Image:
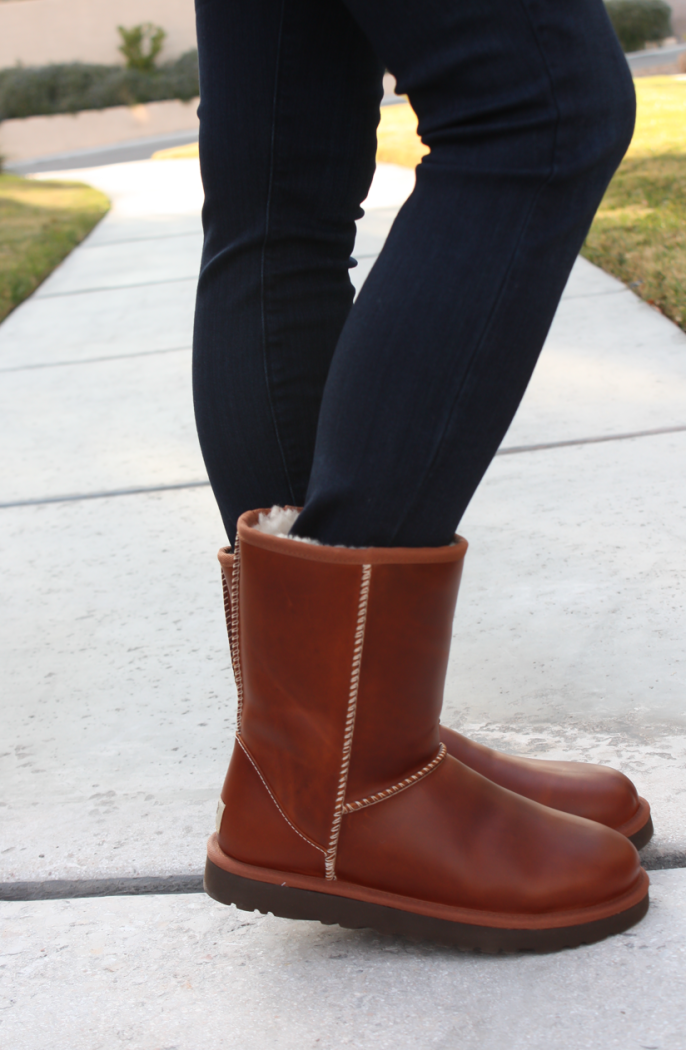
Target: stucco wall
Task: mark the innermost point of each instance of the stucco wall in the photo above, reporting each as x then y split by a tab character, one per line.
63	132
35	32
678	17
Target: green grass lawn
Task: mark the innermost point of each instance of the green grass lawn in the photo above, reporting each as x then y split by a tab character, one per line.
40	223
639	233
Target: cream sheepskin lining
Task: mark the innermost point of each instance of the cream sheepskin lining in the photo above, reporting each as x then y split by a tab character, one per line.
279	521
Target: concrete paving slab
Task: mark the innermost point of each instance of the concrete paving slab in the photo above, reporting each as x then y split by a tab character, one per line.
568	643
116	228
569	633
126	262
360	273
119	703
184	972
598	532
587	279
117	322
107	425
611	364
372	230
144	188
390	188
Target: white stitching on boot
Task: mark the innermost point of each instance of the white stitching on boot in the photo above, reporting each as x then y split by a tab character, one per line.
273	797
227	602
363	603
403	785
234	635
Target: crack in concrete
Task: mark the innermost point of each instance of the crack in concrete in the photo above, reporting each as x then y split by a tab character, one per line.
38	296
72	889
137	491
95	360
515	449
512	450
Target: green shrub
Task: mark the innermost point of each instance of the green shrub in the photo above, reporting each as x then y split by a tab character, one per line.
637	22
70	87
141	45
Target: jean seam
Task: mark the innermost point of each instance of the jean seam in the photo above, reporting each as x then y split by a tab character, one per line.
515	251
267	219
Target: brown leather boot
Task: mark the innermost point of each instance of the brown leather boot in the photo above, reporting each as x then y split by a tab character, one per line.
341	803
588	790
585	789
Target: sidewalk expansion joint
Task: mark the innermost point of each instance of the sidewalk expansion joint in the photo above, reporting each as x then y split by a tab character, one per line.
138	240
77	497
597	295
515	449
112	288
95	360
142	489
149	885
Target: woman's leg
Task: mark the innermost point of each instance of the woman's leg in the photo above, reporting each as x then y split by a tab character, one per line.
290	103
528	107
338	772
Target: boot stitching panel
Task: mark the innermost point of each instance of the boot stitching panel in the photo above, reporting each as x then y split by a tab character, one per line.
272	796
234	631
363	605
403	785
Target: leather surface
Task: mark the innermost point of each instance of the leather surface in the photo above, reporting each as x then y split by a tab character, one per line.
404	663
582	788
455	837
458	838
592	791
253	830
225	557
297	635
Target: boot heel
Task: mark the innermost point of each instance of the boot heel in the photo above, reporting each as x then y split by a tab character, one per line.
285	902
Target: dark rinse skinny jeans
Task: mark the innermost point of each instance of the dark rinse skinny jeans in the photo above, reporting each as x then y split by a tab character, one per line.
381	417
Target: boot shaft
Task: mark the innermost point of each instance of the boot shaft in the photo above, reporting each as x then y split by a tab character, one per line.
340	658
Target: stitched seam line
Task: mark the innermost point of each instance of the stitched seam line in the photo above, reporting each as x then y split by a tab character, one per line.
403	785
272	797
330	865
234	633
227	606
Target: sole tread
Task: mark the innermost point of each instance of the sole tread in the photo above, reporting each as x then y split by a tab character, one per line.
292	903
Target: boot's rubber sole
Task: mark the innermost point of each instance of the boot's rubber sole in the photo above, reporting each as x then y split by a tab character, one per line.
299	897
639	829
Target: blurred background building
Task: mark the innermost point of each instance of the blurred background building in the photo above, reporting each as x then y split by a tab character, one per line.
37	32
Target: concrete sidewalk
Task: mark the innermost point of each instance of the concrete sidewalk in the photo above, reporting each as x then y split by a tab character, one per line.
117	729
185	973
